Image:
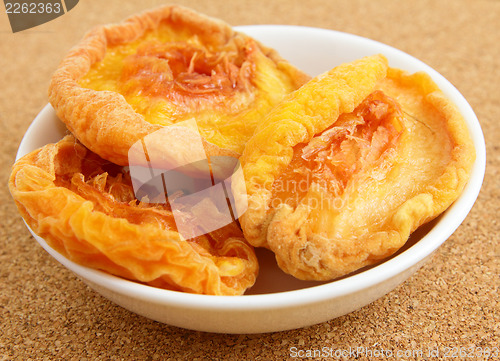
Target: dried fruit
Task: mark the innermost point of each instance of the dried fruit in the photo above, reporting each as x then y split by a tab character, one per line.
85	208
346	167
166	66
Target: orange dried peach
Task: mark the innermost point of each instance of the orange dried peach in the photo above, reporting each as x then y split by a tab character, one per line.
349	165
85	208
165	66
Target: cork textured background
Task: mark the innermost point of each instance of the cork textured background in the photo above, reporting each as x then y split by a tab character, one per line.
47	313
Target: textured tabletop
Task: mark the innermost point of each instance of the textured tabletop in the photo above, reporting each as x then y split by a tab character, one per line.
452	302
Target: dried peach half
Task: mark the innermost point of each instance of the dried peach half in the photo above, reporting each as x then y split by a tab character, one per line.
85	208
165	66
347	167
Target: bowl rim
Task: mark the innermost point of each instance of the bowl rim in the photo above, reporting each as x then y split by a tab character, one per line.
450	221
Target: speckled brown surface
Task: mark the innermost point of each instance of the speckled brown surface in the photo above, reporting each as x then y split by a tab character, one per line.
47	313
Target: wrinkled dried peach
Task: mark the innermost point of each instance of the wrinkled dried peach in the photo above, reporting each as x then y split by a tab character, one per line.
166	66
346	167
85	208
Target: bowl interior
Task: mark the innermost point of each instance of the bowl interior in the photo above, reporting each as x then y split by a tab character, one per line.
314	51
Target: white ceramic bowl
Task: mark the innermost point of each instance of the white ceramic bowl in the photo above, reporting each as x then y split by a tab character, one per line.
278	301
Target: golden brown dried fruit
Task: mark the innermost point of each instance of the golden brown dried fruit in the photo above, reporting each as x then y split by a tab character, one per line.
85	208
349	165
164	66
